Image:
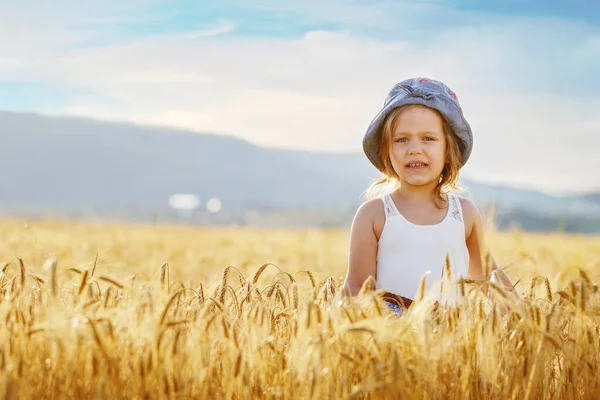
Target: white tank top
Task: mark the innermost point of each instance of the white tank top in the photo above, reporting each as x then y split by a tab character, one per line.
408	251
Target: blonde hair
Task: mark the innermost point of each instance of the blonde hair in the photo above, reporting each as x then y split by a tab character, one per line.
390	180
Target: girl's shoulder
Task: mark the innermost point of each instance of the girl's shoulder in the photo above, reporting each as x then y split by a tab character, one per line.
371	213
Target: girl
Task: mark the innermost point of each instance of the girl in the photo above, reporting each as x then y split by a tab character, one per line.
419	141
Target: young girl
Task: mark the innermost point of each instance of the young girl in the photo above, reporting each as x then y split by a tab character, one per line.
419	141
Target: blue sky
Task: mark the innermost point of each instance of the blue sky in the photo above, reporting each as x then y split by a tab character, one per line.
312	74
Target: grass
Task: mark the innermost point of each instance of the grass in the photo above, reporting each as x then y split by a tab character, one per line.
111	310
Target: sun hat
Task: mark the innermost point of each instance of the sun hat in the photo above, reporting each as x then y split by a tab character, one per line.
423	91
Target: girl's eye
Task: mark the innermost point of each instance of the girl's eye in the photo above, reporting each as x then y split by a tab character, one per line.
401	139
429	138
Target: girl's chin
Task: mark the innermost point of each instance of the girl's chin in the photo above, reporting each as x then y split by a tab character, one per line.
412	181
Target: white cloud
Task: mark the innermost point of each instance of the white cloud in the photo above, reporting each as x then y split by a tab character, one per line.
218	28
39	29
11	62
534	122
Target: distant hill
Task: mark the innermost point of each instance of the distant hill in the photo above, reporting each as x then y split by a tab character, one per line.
76	166
591	198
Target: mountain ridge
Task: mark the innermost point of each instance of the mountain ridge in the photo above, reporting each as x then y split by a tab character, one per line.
61	164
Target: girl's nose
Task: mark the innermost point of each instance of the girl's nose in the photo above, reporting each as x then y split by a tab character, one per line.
414	149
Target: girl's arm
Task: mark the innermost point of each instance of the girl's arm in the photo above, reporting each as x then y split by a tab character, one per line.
475	244
362	260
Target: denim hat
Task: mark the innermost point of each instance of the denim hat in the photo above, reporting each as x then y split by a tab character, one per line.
428	92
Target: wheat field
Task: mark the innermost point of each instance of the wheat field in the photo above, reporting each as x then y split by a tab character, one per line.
133	311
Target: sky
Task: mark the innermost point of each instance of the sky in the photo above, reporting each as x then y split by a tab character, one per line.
312	74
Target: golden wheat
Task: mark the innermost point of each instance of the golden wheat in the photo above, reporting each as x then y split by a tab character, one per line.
134	311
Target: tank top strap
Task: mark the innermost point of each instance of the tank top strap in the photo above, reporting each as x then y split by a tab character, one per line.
388	205
455	210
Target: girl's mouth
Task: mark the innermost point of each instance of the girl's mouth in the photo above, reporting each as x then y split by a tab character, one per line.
416	166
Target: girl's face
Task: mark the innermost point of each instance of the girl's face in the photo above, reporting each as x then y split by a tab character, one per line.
418	146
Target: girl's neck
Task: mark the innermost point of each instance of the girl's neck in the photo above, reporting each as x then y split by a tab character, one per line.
416	193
